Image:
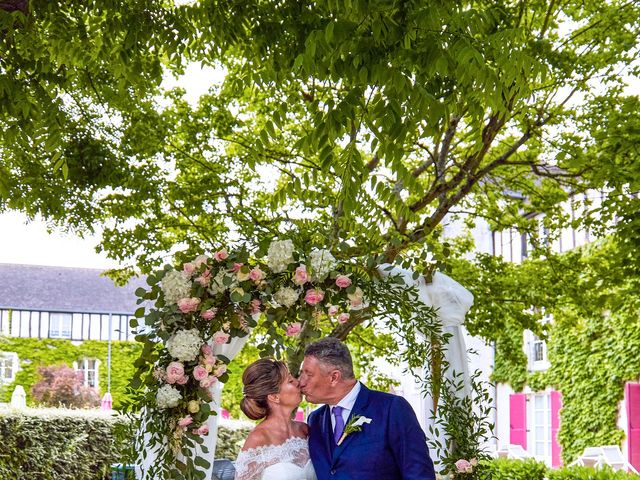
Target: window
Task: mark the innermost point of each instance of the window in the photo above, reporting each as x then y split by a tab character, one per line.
536	351
89	368
539	353
8	367
60	325
540	430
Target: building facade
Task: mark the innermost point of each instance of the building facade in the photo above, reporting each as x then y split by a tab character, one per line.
60	303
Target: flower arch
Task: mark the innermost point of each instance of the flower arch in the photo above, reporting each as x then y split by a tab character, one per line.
203	310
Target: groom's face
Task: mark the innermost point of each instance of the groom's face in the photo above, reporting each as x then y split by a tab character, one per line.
316	381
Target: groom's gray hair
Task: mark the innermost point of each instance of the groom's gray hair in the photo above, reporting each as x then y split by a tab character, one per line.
332	352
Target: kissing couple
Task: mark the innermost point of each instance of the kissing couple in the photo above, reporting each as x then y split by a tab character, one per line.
358	434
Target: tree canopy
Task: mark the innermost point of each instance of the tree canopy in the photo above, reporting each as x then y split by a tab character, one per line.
356	125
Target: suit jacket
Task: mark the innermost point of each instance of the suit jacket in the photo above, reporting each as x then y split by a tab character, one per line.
391	447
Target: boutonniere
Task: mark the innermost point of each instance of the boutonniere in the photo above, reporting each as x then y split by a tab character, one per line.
353	425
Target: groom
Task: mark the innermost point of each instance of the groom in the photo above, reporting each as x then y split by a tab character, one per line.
390	444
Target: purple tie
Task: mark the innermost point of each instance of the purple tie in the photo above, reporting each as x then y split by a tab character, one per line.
337	432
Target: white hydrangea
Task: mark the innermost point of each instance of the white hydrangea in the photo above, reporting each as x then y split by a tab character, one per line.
322	262
175	286
280	255
168	397
286	296
185	345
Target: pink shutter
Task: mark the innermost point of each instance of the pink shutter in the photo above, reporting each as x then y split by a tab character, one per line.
518	419
556	449
632	399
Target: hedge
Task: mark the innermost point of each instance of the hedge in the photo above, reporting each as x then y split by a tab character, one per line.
59	444
506	469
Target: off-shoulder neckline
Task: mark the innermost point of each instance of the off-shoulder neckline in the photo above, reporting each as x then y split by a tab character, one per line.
273	445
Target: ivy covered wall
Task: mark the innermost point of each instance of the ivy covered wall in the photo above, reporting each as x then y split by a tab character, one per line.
33	352
593	341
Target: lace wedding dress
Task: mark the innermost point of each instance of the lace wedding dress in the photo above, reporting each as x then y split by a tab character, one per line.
287	461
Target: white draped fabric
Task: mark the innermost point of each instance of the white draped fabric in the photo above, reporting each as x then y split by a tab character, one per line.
229	350
452	302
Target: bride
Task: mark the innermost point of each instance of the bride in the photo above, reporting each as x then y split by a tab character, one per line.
277	448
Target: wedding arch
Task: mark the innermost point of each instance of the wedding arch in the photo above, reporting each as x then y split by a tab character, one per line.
205	307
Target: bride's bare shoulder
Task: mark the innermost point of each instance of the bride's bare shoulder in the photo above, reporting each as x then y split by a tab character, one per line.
258	437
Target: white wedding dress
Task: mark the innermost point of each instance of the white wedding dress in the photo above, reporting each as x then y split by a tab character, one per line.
287	461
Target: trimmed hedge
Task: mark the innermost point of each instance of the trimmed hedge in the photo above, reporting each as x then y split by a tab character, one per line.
586	473
504	469
59	444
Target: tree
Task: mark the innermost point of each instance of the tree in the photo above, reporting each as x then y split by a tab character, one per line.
61	385
356	125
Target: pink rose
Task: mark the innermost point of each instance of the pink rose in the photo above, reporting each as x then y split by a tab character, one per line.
210	360
209	314
256	275
207	382
333	310
462	465
343	281
221	370
221	255
185	421
206	348
293	329
205	278
220	338
255	306
182	380
343	317
200	373
199	260
188	268
175	371
356	299
188	305
236	267
203	430
313	296
300	277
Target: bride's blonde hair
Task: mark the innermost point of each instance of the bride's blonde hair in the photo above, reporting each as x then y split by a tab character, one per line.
260	379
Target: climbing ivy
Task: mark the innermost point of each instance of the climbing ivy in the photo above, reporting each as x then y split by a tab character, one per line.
592	341
33	352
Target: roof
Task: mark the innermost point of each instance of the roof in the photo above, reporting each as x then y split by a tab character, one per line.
36	287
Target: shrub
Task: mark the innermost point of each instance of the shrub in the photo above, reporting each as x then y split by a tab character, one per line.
63	444
587	473
61	385
504	469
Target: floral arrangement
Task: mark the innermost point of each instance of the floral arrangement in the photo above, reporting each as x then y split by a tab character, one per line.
207	302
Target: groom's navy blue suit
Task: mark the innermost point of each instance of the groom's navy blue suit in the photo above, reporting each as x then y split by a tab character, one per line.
391	447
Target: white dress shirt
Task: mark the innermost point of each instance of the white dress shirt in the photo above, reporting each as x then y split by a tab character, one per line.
347	403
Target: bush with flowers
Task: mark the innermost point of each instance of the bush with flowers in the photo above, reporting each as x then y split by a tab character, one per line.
208	301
